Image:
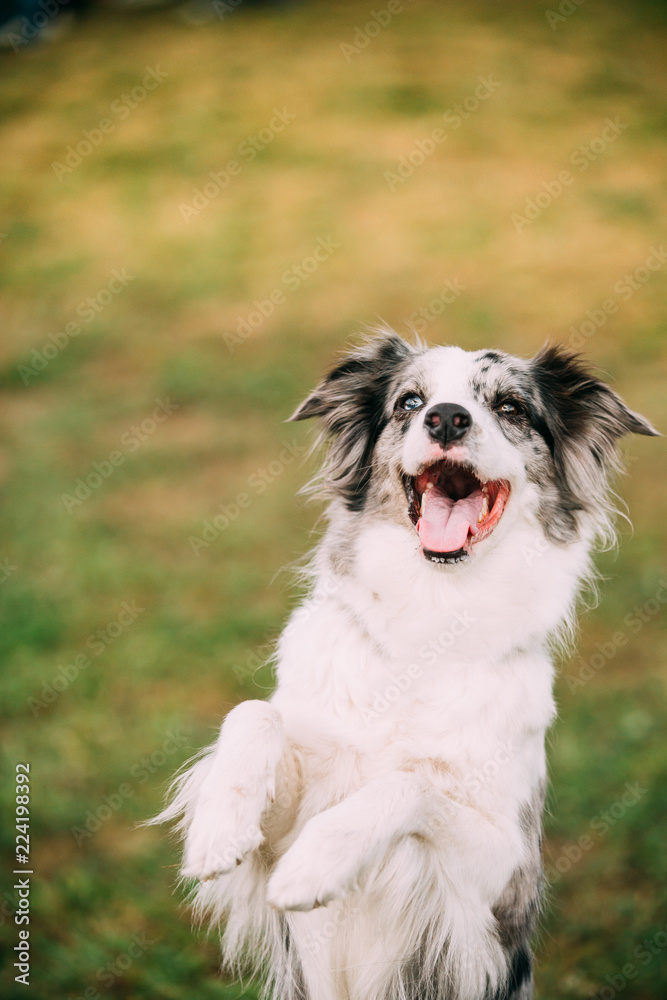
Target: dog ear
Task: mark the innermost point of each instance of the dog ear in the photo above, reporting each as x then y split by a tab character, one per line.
585	419
581	405
351	403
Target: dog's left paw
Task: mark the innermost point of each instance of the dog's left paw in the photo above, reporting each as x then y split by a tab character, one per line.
322	864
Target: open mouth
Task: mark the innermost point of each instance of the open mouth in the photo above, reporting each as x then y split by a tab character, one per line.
453	509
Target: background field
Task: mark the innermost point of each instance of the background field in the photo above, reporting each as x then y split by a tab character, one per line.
103	738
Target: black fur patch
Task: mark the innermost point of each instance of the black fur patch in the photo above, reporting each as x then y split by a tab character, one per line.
583	421
519	983
577	405
352	405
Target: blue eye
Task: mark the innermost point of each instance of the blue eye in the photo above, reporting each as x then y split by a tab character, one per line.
510	408
410	402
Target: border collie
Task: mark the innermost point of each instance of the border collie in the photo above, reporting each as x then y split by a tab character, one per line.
372	832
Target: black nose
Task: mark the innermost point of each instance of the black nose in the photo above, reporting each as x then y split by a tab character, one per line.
447	422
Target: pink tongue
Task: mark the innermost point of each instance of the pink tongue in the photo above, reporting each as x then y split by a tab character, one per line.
445	523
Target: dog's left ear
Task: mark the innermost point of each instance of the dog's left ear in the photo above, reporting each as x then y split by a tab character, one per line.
351	403
581	405
585	419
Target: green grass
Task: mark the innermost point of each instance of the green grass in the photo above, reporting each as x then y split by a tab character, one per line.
206	617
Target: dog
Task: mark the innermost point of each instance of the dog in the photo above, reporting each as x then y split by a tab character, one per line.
373	830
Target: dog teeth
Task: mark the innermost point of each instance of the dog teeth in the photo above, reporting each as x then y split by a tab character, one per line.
484	511
429	486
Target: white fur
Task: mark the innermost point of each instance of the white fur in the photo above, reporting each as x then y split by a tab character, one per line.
388	770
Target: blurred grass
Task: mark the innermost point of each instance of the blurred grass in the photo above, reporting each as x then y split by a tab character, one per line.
192	651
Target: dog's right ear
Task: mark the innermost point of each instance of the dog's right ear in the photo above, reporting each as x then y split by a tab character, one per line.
351	403
357	380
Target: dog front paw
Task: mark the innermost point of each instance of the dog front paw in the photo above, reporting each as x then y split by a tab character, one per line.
215	844
224	796
321	865
225	827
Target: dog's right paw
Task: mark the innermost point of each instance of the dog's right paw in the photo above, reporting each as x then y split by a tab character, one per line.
223	798
223	831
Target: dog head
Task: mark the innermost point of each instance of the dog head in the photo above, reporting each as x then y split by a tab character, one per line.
456	445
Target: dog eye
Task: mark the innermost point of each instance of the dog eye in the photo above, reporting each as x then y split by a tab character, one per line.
410	402
510	408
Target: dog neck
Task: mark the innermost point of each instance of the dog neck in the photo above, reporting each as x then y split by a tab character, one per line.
375	569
